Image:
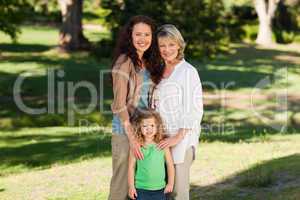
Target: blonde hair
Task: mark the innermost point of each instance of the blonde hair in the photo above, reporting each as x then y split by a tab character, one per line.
170	31
141	115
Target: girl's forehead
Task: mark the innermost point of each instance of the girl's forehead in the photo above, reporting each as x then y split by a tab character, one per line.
148	120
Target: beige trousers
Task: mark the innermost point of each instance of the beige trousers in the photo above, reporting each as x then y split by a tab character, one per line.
120	153
182	176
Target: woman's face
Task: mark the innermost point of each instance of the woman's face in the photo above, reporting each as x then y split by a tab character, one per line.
141	37
168	48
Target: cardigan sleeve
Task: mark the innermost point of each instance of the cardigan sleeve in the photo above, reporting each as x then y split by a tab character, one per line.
191	111
120	76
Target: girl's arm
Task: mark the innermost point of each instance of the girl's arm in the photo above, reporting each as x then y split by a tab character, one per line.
170	171
131	173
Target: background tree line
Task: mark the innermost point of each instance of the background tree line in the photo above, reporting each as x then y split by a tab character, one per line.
208	25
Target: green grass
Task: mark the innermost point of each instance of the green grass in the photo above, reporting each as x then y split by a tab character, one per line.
243	153
69	166
33	56
237	73
36	148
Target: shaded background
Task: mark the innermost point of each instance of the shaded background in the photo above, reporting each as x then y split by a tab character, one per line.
250	87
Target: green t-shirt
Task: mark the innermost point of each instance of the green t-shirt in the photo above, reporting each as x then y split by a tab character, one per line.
150	172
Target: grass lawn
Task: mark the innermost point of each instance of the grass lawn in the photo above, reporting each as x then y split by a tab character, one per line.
250	144
33	57
247	77
63	163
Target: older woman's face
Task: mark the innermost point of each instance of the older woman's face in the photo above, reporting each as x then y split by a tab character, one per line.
168	48
141	37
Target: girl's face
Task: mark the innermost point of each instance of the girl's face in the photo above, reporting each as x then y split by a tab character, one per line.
148	128
168	48
141	37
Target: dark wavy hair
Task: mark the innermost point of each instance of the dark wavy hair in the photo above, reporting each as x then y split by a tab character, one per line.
151	56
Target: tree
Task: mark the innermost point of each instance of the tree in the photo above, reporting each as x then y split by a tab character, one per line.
265	10
71	34
12	13
122	10
202	23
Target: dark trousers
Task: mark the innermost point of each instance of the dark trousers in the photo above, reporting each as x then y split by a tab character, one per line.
151	194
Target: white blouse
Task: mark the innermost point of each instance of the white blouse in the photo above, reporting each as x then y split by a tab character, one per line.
178	99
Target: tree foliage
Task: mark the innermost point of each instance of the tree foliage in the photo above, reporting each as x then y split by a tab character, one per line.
202	23
121	11
285	21
12	13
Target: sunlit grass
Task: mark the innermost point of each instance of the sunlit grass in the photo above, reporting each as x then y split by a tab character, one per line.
252	168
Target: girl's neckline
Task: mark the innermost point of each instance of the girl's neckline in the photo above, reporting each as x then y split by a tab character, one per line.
149	145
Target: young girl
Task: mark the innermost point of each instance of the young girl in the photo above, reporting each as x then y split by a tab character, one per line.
146	178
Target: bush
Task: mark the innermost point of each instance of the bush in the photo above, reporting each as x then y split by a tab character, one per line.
285	25
12	13
204	24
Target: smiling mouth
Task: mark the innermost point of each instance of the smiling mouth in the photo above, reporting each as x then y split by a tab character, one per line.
142	45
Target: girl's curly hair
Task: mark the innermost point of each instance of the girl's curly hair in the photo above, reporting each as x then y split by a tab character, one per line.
142	114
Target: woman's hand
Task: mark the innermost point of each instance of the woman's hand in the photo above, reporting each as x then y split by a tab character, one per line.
132	193
135	147
172	141
168	188
169	142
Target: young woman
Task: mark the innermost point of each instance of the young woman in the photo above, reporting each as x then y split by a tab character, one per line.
178	99
146	178
133	72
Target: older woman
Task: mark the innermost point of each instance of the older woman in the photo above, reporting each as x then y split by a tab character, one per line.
178	98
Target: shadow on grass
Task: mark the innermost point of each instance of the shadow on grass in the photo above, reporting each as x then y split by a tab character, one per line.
45	150
244	132
246	67
244	72
231	79
34	88
251	58
24	48
75	69
275	179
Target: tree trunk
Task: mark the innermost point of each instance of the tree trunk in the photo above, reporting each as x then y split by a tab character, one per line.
71	36
44	6
265	10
